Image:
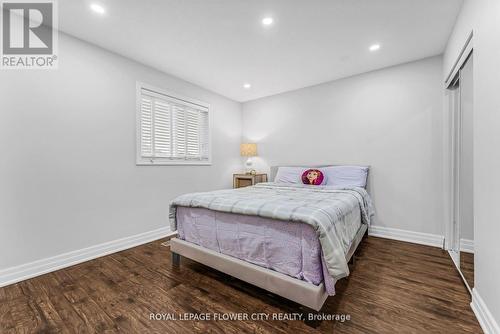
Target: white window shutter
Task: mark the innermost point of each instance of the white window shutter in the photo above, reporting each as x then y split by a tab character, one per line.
146	126
204	135
192	134
162	129
173	130
179	132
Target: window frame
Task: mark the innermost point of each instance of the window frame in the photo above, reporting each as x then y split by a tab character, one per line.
157	161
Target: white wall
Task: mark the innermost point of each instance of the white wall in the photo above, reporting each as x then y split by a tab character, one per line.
391	119
483	17
68	178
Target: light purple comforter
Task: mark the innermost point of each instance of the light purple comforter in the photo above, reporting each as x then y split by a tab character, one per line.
289	248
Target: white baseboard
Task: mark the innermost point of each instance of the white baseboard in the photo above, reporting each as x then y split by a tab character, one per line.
467	245
408	236
19	273
483	314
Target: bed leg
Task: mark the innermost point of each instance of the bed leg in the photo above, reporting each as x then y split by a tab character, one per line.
176	259
315	322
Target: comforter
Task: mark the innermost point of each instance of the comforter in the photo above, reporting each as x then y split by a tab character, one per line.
321	207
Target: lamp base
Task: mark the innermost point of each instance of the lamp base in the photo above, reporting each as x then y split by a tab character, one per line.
249	167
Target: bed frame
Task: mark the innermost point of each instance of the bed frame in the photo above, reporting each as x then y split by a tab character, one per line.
304	293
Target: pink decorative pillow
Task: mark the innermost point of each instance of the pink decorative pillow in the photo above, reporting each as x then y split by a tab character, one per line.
313	177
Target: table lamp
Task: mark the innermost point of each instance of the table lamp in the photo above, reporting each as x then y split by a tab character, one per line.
249	150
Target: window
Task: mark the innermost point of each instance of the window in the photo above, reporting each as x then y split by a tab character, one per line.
171	129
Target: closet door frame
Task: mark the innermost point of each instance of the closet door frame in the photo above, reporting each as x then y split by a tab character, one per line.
452	223
453	85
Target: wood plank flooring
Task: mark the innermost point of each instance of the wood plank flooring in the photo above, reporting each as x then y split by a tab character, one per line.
394	287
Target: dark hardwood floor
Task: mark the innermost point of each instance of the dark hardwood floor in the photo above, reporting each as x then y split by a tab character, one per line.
394	287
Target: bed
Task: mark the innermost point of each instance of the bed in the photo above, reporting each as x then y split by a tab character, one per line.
291	239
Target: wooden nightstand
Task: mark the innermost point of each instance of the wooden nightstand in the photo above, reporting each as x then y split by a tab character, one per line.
245	180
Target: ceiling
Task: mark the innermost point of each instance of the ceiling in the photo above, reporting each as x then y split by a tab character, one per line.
222	44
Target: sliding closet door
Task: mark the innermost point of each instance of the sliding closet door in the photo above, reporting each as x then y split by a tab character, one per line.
454	100
466	179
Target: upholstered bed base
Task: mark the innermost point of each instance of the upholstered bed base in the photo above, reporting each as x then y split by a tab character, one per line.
307	294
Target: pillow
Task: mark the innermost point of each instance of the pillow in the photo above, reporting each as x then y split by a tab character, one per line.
346	176
289	174
313	177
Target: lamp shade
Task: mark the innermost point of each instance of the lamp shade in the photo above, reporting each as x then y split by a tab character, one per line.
248	150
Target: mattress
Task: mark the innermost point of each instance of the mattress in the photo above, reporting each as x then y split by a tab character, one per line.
291	248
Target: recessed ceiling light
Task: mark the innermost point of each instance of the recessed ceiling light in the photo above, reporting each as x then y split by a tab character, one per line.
97	8
267	21
247	86
374	47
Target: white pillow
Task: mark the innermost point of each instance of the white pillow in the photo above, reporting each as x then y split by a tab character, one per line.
289	174
346	176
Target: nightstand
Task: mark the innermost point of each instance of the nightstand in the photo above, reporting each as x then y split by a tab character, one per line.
245	180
